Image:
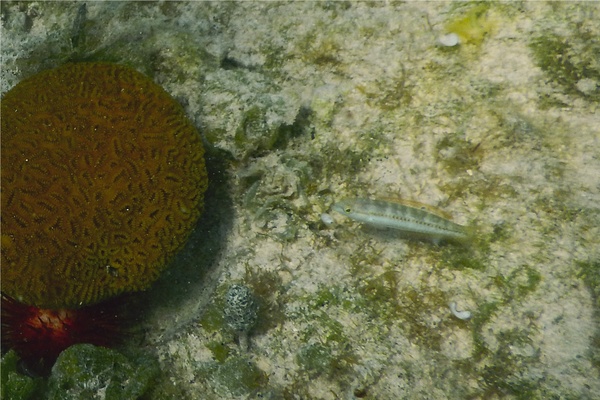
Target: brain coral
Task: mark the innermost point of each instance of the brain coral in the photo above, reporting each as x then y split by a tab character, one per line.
102	179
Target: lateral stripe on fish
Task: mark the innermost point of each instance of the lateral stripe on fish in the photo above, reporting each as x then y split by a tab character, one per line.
406	218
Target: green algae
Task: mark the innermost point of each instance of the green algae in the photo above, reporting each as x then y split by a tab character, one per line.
270	294
499	366
86	371
568	61
328	351
316	359
511	288
460	259
589	273
389	96
332	296
456	153
416	308
212	319
219	350
82	371
502	373
236	376
485	311
322	52
255	135
14	385
519	283
386	298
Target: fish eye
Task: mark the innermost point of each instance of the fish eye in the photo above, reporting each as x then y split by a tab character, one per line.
347	209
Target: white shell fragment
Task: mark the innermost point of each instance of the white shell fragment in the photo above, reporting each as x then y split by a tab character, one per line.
449	40
327	219
464	315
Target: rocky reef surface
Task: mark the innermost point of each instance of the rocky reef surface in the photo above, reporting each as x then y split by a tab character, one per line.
488	112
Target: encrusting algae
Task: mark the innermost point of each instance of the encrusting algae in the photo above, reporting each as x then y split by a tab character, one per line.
103	179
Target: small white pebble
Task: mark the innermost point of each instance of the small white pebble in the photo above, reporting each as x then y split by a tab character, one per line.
587	86
464	315
449	40
327	219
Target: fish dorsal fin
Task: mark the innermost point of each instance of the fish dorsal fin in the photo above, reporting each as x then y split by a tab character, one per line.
419	205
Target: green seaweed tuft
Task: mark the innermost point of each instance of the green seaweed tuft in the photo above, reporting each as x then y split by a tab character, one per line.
236	376
315	359
503	374
219	350
589	273
14	385
268	288
332	355
570	62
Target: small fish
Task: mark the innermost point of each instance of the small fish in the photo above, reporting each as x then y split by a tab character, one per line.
418	220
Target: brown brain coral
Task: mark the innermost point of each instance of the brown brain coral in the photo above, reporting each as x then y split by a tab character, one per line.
102	181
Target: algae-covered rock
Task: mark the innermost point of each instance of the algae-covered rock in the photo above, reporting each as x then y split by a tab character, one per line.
16	386
315	358
237	376
84	371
